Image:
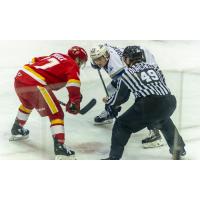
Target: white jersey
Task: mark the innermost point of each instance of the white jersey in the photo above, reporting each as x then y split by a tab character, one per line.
150	59
115	64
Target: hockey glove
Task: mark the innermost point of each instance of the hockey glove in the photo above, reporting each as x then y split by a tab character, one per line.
73	107
75	97
95	66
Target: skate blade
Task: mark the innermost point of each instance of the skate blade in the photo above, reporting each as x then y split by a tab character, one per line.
62	157
105	122
155	144
17	138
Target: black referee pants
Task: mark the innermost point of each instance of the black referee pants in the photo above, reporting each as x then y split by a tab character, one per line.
151	112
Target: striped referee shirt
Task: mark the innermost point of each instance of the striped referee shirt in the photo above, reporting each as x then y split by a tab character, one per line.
142	80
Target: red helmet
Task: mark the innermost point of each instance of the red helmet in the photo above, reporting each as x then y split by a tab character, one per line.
78	52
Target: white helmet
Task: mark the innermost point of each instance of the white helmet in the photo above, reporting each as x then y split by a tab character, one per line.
98	52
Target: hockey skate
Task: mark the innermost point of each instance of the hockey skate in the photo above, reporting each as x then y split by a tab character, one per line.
103	118
154	140
18	133
62	152
178	153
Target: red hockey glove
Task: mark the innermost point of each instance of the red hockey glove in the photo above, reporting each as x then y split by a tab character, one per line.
73	107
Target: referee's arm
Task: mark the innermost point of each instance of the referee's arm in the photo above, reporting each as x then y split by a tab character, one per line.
120	96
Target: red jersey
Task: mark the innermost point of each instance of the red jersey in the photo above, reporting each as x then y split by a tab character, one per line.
55	71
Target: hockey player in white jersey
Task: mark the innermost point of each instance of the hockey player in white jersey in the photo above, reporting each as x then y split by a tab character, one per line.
110	59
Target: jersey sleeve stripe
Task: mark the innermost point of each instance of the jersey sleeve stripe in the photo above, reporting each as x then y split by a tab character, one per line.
73	82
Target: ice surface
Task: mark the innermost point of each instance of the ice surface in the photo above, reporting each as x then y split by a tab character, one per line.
89	141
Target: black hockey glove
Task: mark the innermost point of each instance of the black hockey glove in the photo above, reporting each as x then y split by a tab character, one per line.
113	111
95	66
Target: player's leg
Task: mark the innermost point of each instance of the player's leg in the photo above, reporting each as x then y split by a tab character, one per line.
169	130
120	137
62	152
129	122
104	117
173	138
18	132
49	106
153	140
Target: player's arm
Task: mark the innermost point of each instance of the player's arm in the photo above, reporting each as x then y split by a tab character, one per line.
120	96
73	87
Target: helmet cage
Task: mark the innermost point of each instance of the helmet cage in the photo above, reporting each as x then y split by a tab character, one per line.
99	51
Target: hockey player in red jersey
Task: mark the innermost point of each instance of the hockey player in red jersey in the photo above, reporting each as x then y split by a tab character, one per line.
34	85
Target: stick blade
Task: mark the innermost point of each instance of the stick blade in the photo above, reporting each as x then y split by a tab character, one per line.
88	107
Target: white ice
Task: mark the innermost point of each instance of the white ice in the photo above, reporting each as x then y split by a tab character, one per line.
89	141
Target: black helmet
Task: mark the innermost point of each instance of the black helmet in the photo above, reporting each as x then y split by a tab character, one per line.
134	53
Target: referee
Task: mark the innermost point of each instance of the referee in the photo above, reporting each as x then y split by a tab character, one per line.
153	106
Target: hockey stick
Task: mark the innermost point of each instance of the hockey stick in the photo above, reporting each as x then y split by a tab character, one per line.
104	85
86	108
103	82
